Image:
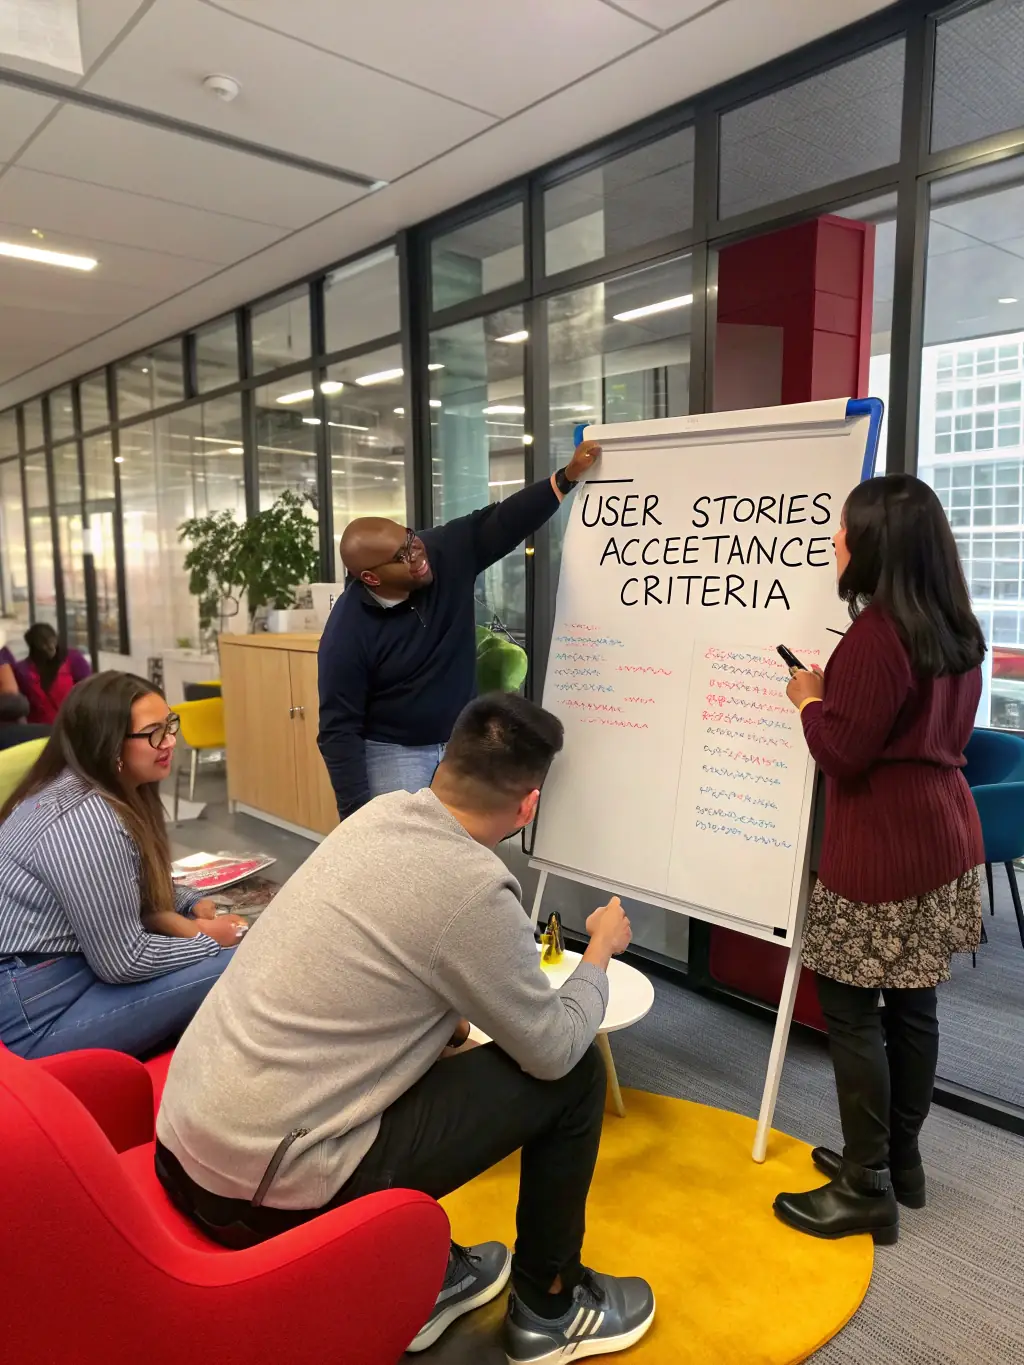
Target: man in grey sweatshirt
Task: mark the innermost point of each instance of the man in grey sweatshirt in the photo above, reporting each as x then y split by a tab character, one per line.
313	1072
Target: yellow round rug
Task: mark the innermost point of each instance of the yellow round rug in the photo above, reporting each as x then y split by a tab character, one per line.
677	1199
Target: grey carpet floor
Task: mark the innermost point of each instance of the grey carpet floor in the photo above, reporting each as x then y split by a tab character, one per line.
952	1291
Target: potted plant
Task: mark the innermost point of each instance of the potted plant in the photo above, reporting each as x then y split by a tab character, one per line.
266	558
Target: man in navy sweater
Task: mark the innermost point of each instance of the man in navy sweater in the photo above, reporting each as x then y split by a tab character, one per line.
397	661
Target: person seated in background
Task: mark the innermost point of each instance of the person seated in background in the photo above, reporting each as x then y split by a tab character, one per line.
84	858
397	659
13	706
313	1072
49	673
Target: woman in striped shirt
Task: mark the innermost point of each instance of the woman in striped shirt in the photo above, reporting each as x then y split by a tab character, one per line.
97	946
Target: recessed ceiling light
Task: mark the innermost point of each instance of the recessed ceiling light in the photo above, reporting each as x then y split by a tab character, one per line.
435	366
435	402
381	377
311	421
42	257
302	396
119	459
1007	300
663	307
504	409
527	440
399	412
330	386
235	450
514	338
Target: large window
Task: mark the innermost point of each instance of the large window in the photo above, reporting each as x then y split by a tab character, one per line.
829	127
13	561
33	418
151	380
476	259
280	331
361	300
92	394
216	347
62	414
972	398
174	468
100	509
634	199
8	433
477	414
366	437
40	538
979	56
68	514
286	424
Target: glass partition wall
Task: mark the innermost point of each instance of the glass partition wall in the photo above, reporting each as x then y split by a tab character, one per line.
437	373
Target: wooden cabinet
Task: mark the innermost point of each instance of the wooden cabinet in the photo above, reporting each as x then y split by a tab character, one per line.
271	719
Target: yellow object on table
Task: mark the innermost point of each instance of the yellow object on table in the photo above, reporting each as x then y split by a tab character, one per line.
552	943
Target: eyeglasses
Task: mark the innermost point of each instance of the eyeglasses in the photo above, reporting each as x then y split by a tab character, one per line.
159	733
404	555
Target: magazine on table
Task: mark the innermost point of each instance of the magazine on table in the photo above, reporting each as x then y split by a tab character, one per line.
215	871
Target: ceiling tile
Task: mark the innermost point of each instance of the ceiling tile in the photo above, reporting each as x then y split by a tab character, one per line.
21	113
103	150
156	272
49	202
663	13
100	22
293	97
498	55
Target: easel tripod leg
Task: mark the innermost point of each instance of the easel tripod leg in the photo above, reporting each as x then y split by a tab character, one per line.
778	1053
605	1049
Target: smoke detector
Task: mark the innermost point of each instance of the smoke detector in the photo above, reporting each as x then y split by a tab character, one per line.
226	88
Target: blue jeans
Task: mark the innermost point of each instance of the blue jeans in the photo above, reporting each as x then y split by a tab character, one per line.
400	767
57	1004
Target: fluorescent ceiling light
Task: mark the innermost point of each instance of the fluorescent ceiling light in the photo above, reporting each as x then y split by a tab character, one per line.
504	408
399	412
346	272
302	396
210	440
514	338
311	421
381	377
435	366
665	306
347	426
41	257
1007	300
330	386
235	450
527	440
119	459
435	402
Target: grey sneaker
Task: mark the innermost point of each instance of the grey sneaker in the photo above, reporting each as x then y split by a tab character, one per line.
475	1276
608	1314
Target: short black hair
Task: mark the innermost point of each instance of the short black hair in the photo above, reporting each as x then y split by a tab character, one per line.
502	747
904	559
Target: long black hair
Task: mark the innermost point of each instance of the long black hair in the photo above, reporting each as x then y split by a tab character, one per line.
37	637
87	737
903	558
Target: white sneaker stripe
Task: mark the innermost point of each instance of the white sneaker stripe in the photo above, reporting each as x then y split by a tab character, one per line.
575	1325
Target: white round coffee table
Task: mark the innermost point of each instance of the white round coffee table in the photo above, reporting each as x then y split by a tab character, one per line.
630	997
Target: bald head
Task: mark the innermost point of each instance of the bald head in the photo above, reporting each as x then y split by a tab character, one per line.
370	541
389	559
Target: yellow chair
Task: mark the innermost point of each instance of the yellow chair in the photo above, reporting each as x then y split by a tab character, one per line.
202	728
15	763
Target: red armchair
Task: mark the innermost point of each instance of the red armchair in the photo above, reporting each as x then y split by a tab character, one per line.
98	1268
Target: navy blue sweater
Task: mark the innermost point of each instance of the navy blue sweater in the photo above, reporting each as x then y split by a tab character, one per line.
402	674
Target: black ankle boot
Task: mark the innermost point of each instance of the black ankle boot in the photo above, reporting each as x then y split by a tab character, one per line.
857	1200
908	1185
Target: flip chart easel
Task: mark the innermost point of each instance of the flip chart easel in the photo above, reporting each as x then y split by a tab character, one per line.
695	546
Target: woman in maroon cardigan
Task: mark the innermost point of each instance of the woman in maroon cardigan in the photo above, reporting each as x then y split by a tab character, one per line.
898	889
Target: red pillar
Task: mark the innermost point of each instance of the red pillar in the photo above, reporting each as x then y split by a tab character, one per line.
793	325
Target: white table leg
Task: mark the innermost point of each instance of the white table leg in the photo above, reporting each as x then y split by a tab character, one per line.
605	1048
783	1020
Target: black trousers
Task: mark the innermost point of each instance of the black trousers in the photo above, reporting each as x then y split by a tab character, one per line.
884	1060
466	1114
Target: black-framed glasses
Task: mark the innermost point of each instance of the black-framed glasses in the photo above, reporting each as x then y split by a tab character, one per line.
404	554
159	733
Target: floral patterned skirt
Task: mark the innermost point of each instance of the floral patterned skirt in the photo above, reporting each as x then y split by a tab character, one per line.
905	945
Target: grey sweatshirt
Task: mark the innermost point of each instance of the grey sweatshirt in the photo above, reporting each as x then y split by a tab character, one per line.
346	991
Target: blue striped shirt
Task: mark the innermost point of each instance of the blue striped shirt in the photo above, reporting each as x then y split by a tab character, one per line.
70	878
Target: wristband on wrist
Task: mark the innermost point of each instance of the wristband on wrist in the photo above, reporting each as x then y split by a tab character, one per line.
563	483
809	701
